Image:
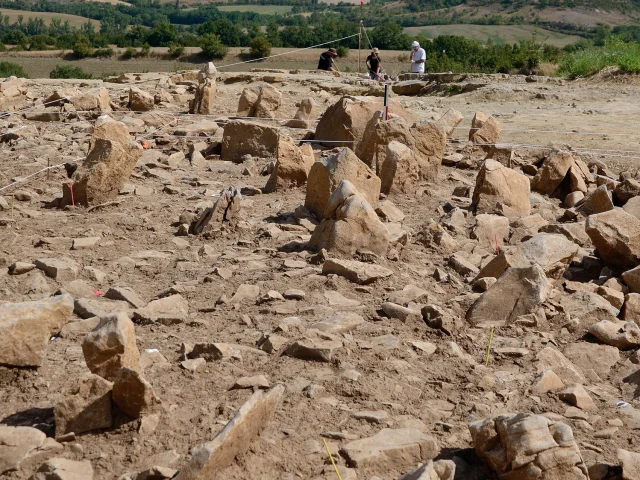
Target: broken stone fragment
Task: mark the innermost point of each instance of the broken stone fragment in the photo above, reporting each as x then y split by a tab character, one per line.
354	271
235	438
617	333
552	252
524	446
16	445
64	469
110	346
224	212
326	174
167	311
25	329
616	236
349	224
112	157
134	395
314	349
390	448
501	190
87	407
341	322
519	291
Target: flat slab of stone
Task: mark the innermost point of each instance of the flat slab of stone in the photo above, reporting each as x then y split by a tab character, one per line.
391	448
168	311
341	322
354	271
235	438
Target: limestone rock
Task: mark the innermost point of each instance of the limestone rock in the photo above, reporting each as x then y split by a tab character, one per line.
292	165
357	272
140	101
616	236
390	449
244	137
592	357
133	394
168	311
478	120
16	444
519	291
626	190
346	120
316	349
491	231
487	135
341	322
112	157
25	329
225	212
61	269
632	279
203	102
426	140
526	446
326	174
110	346
598	201
86	408
547	381
235	438
439	470
400	171
552	252
450	120
617	333
551	359
501	190
262	101
304	116
349	225
92	101
577	396
64	469
552	172
630	463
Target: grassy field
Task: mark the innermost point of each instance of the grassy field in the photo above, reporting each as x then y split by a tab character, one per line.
40	64
74	20
498	34
263	9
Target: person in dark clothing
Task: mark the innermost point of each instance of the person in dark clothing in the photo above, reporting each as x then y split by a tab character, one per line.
373	62
326	60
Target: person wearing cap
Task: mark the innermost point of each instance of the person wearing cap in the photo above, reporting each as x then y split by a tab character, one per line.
417	57
326	60
373	62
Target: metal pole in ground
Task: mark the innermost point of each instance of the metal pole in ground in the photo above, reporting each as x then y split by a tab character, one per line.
386	101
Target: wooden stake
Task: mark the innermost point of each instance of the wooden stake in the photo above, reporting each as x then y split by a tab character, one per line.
73	200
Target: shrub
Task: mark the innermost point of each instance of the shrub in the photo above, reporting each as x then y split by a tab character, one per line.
8	69
81	49
129	53
68	71
343	51
176	51
212	47
103	53
146	49
259	47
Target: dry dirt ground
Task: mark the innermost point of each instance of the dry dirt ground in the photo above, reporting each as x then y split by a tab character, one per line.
377	370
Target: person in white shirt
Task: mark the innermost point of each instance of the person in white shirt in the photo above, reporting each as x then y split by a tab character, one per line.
417	57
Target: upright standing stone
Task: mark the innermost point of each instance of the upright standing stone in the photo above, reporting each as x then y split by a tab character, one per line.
112	156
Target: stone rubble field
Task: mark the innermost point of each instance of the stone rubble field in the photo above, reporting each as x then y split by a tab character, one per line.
236	272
